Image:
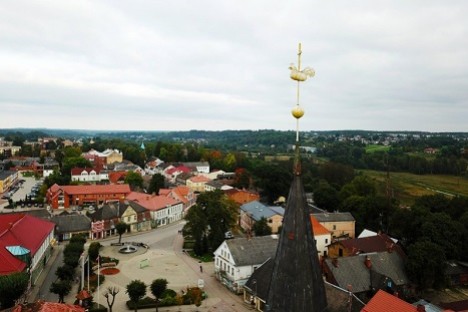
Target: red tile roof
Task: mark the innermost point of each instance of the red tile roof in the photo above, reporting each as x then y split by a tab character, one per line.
152	202
96	189
377	243
41	306
21	230
318	228
116	176
241	196
199	179
384	302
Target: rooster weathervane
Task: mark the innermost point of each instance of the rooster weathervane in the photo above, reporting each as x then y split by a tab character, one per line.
299	75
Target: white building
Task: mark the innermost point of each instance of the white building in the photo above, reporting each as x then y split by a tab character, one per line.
89	175
236	259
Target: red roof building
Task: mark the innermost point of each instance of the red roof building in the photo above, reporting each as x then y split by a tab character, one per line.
354	246
42	306
241	196
384	302
181	193
24	241
59	197
164	210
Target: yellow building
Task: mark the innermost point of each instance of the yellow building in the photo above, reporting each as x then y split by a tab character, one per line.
340	224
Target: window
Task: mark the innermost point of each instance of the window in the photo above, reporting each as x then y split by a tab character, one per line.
340	252
334	226
326	240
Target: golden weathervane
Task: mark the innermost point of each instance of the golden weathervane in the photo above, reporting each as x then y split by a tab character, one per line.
299	75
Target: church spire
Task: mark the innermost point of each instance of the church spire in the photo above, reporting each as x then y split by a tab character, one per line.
296	283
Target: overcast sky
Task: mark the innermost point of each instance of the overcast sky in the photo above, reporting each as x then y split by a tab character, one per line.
217	65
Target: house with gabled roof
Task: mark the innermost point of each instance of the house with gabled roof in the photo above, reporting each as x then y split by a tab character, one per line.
340	224
383	301
104	220
197	183
152	165
181	193
242	196
89	175
322	237
137	217
163	209
198	166
236	259
68	225
25	244
172	172
366	273
254	211
355	246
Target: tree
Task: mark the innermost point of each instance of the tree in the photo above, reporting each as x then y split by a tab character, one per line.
158	286
110	294
136	290
426	264
121	229
273	180
93	250
12	287
61	288
65	272
213	215
261	227
326	197
157	182
134	179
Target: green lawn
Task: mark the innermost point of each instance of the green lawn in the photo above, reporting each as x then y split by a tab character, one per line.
371	148
406	186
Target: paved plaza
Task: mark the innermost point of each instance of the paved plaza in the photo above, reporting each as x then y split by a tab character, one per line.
180	270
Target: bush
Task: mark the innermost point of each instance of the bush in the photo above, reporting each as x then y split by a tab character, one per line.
144	303
168	301
169	293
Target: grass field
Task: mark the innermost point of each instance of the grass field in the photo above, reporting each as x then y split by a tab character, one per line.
407	187
371	148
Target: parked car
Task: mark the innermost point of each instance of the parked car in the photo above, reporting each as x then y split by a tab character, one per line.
228	235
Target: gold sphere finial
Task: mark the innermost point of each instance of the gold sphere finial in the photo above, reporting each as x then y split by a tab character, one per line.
297	112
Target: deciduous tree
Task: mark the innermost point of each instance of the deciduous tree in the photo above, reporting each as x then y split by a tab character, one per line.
136	290
12	287
158	286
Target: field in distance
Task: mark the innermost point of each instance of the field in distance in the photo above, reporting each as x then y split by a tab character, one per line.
407	186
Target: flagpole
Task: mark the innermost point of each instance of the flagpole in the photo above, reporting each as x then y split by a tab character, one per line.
89	260
98	265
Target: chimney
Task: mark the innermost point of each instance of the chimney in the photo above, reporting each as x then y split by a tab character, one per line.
335	262
420	308
368	262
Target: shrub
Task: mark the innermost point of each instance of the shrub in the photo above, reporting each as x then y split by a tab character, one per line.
168	301
168	293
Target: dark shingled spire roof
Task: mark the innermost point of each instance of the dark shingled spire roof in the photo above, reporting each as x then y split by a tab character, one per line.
296	283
